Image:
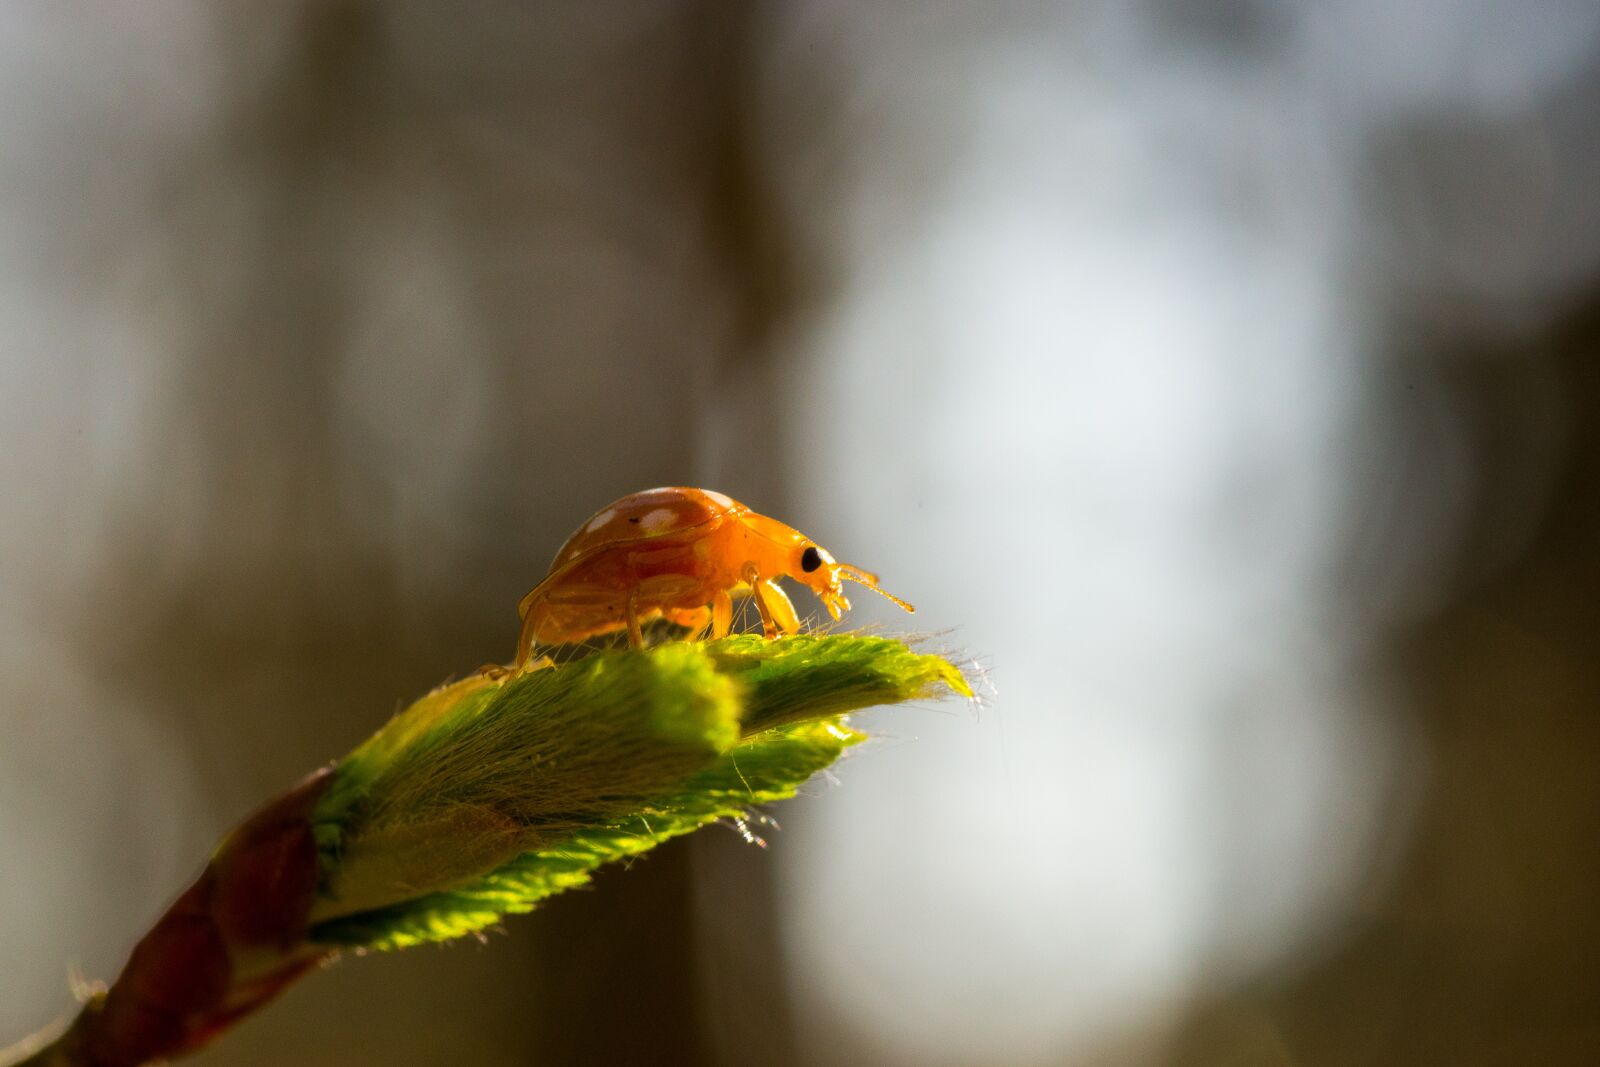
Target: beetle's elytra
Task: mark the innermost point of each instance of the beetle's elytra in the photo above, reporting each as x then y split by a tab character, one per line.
680	554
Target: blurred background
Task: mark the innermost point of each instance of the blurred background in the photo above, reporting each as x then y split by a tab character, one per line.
1218	378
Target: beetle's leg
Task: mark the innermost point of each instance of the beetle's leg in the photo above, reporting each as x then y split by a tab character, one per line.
780	607
635	632
721	614
497	671
752	578
696	620
524	641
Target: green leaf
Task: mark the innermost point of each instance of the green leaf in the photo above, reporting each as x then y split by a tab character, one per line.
485	797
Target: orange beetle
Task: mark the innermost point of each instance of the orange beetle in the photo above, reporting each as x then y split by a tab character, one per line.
678	553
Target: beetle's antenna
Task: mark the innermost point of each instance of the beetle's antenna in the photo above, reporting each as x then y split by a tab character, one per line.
870	580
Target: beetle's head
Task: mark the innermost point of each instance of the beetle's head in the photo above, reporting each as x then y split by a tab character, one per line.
814	567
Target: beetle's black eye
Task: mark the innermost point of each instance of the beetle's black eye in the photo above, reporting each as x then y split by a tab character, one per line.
810	559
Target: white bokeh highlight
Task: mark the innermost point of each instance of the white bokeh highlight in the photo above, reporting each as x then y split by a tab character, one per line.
1088	406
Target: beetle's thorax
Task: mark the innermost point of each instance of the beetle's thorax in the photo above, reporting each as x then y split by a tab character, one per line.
770	545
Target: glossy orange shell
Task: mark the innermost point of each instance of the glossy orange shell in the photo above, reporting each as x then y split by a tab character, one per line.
674	512
672	549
